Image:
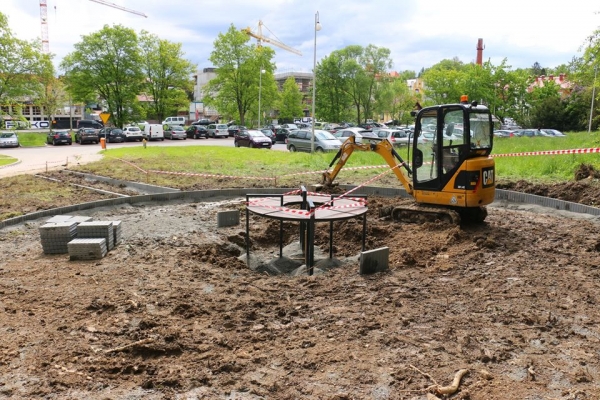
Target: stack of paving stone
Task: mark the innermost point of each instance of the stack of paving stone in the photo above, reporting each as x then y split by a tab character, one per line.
69	218
96	230
117	232
55	236
87	249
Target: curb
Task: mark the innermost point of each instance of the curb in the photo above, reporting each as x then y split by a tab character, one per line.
11	165
137	186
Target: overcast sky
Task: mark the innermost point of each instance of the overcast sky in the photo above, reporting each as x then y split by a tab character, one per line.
418	33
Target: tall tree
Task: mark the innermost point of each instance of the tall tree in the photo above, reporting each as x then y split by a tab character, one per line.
290	103
235	90
395	100
168	75
21	64
52	93
376	63
444	82
332	102
107	64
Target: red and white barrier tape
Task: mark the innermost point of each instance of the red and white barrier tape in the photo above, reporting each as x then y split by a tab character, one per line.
133	165
209	175
345	169
550	152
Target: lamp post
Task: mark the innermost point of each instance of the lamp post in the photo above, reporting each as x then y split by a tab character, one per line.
262	71
314	85
593	95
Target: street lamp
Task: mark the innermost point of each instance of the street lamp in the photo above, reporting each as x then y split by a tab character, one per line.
314	85
593	95
262	71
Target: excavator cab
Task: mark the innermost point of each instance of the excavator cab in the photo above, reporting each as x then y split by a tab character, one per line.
451	148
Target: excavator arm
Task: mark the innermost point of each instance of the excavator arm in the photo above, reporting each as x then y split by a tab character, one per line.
384	148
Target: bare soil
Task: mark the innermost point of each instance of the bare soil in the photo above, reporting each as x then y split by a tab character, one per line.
174	312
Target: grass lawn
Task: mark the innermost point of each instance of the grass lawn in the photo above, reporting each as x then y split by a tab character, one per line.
248	164
5	160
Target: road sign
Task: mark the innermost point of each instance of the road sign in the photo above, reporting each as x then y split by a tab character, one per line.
104	116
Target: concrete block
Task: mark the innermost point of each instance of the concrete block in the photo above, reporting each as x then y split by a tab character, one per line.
228	218
97	229
55	236
373	261
87	249
117	232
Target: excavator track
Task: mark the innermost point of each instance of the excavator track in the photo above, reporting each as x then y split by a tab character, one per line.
416	213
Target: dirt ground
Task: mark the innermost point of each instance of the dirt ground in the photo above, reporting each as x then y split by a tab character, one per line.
174	312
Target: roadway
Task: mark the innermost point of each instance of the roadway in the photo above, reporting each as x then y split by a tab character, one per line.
45	158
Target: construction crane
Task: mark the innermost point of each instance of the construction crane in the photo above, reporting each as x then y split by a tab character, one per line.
44	19
106	3
259	36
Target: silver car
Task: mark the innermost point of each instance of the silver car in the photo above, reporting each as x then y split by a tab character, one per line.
397	137
9	139
301	140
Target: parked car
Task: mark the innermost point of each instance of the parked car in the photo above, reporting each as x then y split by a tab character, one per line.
273	127
330	127
528	132
9	139
154	132
59	137
281	134
235	129
86	135
175	132
217	130
202	121
133	133
197	132
397	137
290	126
504	133
252	138
89	123
112	135
270	134
301	140
179	120
358	133
554	133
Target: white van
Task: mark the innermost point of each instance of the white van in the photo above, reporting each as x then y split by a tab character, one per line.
154	132
174	121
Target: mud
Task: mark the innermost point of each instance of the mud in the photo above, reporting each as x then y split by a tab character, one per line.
174	312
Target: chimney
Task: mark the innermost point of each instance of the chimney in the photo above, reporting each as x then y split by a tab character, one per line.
480	51
561	77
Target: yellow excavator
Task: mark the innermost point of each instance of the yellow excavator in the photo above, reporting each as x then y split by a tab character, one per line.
451	174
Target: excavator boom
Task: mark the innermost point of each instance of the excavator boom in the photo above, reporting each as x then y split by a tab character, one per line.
384	148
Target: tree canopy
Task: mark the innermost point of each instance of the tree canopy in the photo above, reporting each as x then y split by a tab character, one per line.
21	65
107	64
240	77
167	75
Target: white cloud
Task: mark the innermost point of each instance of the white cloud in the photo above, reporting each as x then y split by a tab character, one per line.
419	34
